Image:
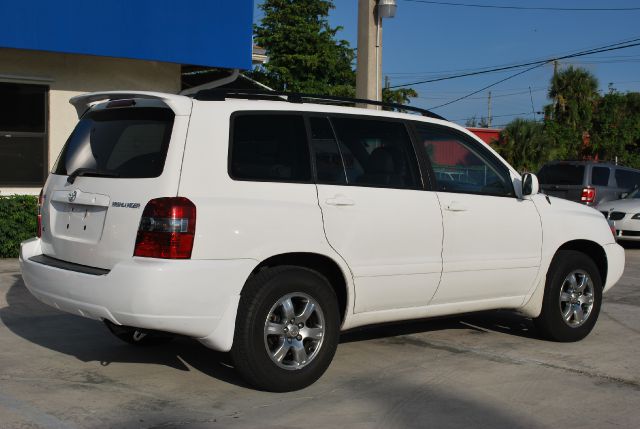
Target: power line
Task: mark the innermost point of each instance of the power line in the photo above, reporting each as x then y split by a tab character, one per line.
442	95
483	98
495	116
448	73
465	75
605	48
489	86
505	90
595	60
453	73
531	68
557	9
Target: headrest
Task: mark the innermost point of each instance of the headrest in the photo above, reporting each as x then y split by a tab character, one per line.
381	162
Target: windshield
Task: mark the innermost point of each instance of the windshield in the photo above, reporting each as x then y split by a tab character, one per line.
561	174
130	143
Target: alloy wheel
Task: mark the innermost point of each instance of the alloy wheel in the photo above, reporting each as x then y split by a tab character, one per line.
294	331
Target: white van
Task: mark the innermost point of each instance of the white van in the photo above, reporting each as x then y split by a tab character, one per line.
264	225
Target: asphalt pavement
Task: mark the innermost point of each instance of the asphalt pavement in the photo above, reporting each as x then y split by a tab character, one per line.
484	370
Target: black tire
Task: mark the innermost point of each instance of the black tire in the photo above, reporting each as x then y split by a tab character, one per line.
551	323
260	296
138	337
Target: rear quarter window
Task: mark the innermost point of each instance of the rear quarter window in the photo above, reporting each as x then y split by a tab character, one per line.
132	143
270	148
600	176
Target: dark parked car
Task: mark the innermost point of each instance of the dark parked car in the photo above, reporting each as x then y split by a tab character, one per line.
587	182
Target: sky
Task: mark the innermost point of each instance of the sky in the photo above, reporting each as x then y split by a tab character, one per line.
425	41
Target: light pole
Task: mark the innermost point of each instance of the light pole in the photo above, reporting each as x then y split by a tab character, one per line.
369	65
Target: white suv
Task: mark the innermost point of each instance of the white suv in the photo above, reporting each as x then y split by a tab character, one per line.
265	225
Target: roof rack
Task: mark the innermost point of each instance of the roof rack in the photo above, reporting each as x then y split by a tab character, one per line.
218	94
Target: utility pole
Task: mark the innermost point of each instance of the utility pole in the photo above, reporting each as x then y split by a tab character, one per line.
369	65
533	109
489	111
555	74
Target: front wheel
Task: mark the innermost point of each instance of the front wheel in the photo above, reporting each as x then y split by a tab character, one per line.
572	298
287	328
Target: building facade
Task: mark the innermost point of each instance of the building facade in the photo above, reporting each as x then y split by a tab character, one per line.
51	51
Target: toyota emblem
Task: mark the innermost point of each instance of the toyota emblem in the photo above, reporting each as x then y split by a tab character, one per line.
72	196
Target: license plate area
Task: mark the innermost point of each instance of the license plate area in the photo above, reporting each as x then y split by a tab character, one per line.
78	222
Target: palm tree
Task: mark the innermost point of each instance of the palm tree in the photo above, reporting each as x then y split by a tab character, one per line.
523	145
574	92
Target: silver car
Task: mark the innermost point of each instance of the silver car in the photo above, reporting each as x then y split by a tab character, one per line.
624	214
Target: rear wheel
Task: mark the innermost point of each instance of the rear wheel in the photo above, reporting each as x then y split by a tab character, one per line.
287	328
138	337
572	298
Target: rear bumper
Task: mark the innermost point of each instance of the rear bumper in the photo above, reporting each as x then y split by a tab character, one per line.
197	298
615	264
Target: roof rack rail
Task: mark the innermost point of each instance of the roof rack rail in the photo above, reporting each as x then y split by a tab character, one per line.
220	94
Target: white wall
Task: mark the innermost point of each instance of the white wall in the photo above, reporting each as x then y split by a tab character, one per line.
68	75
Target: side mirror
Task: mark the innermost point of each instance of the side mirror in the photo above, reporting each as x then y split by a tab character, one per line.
530	184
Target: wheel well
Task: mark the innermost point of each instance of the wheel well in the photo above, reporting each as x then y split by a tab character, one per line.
592	250
320	263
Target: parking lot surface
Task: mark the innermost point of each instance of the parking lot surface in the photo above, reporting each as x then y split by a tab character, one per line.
484	370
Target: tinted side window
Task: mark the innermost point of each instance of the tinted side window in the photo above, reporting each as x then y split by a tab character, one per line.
561	174
377	153
600	176
269	147
459	167
328	160
627	179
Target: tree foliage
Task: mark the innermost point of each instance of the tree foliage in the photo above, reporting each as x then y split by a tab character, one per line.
473	122
304	52
615	130
574	92
578	124
304	55
17	222
398	96
524	145
569	117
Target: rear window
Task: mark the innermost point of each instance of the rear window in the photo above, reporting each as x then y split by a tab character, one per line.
561	174
376	153
131	143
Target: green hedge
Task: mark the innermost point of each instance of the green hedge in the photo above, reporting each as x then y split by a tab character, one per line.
18	222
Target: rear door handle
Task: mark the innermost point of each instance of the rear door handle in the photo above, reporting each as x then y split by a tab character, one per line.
456	206
340	201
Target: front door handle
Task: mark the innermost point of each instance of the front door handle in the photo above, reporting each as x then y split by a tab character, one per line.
339	200
456	206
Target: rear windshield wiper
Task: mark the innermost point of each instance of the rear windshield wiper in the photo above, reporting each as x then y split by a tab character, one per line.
90	172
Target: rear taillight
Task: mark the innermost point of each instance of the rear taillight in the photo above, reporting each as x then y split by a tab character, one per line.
40	199
167	229
588	195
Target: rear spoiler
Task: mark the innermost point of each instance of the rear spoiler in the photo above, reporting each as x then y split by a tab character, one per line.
180	104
